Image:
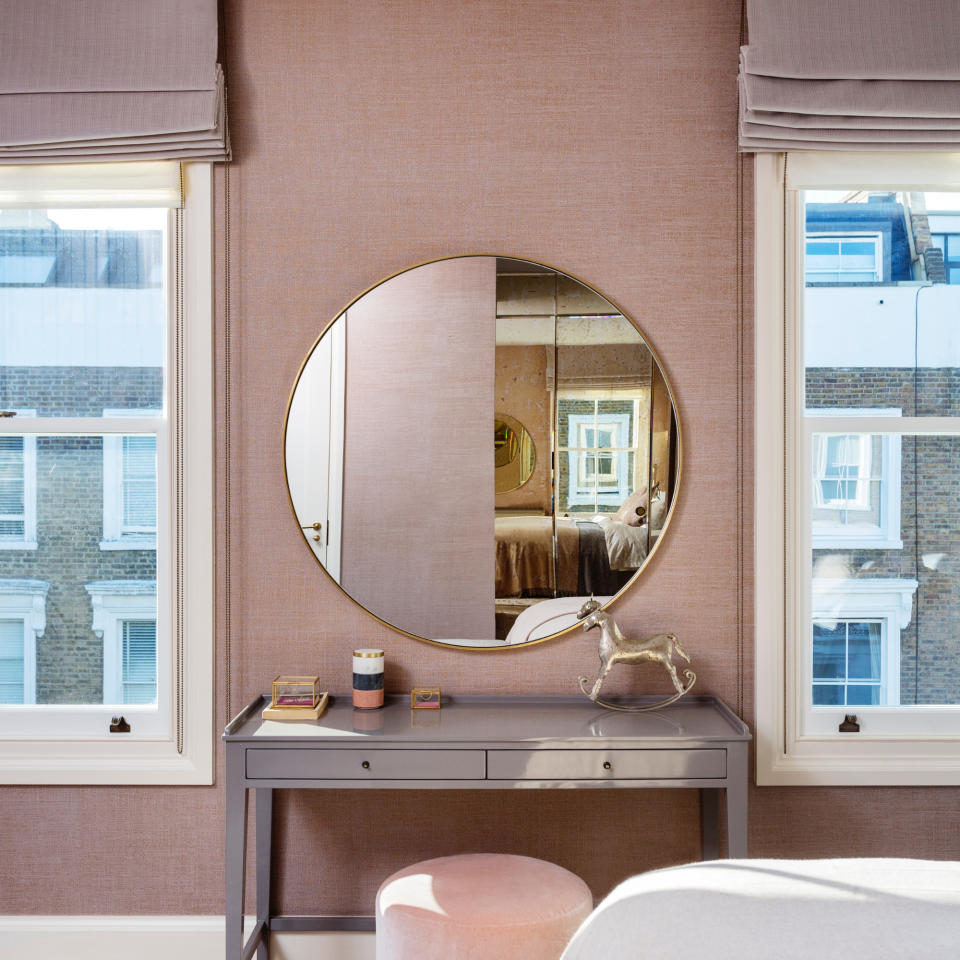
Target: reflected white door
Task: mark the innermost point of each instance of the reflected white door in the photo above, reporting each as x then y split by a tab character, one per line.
314	449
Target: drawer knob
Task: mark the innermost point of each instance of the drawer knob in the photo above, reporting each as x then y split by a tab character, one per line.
365	764
607	765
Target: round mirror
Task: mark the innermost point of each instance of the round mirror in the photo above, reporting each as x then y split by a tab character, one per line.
514	454
398	491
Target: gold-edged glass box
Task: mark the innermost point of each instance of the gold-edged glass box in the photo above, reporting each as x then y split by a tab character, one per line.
296	692
425	698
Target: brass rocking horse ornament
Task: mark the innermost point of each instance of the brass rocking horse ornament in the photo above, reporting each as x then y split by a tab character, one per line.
616	648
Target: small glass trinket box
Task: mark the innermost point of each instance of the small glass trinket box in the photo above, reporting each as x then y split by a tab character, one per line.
296	692
425	698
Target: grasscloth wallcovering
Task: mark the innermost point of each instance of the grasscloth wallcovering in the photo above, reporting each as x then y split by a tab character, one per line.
597	137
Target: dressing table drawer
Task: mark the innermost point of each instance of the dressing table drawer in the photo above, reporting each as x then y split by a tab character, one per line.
606	764
284	764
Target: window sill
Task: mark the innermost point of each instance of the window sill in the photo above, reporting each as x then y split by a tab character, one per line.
130	543
137	762
18	544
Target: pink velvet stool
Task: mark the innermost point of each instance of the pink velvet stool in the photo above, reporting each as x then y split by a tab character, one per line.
493	906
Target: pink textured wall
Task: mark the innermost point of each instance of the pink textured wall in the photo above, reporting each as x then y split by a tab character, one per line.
417	496
371	135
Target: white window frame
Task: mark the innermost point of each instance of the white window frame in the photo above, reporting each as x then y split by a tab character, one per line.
886	534
26	600
113	602
71	744
840	236
896	745
29	539
887	600
114	537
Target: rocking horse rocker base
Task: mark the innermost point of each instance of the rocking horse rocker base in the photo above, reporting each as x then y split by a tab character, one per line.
616	648
691	680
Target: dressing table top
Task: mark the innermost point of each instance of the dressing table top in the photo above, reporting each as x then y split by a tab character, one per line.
488	720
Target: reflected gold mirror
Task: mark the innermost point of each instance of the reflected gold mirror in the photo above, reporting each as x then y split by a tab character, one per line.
514	454
404	501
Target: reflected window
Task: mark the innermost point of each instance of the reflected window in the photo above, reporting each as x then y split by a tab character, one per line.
129	488
856	481
848	662
22	620
832	258
856	640
125	617
949	243
18	492
138	668
599	455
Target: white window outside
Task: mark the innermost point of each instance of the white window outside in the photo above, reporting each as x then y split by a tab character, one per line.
856	484
129	488
804	486
847	258
170	511
18	489
855	651
22	622
125	618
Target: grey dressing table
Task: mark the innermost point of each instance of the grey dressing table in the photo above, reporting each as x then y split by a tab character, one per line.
472	743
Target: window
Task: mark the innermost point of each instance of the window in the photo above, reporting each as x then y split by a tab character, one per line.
858	447
843	259
22	621
945	235
18	490
599	460
125	618
597	452
856	485
105	355
129	488
856	644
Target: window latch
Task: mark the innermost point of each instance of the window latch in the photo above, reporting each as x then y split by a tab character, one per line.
850	724
119	725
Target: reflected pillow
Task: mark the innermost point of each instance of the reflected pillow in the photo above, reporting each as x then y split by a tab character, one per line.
628	511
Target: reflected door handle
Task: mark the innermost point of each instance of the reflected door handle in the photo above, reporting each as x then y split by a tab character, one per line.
313	526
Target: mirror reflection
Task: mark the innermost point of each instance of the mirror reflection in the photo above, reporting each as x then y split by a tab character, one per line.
401	496
514	454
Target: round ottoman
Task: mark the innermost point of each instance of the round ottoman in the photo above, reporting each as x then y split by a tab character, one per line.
479	905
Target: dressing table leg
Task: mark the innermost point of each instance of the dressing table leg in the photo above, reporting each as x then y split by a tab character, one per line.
236	852
264	837
737	786
710	822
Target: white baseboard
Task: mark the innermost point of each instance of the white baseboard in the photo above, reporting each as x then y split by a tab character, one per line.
160	938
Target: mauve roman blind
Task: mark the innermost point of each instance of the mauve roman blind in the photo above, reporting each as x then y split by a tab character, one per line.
851	75
103	80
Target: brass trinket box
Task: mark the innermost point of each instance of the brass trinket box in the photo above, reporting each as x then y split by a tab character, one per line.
293	692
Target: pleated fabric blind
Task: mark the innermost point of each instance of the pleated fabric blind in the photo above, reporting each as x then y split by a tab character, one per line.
850	75
110	80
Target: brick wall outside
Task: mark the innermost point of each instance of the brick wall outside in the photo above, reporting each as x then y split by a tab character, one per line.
930	644
70	518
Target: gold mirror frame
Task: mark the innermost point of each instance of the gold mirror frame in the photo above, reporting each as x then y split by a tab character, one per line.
677	465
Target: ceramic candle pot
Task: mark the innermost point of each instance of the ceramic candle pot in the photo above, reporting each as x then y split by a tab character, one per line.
368	679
